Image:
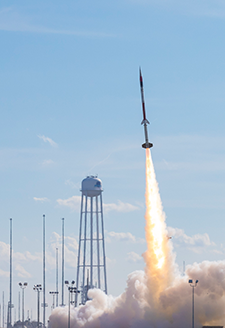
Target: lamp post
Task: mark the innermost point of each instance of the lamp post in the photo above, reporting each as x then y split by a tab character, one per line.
193	284
38	289
23	286
53	302
71	290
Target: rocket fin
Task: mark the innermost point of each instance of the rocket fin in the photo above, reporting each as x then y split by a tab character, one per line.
145	121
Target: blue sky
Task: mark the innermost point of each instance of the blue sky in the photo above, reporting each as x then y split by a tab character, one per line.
70	106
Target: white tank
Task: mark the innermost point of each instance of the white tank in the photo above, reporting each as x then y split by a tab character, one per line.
91	186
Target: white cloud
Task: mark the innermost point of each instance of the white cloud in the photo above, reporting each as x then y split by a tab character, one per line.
21	272
72	184
210	8
19	260
73	202
110	262
49	140
47	162
197	146
10	20
216	251
197	243
4	250
70	248
134	257
120	207
123	236
42	199
4	273
28	257
25	260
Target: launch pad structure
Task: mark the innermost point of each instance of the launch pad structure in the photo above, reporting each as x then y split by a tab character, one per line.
91	261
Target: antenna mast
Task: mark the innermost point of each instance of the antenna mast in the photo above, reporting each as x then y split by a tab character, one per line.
57	279
62	261
44	304
10	283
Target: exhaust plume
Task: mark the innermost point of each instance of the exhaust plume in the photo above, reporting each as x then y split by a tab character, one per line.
160	262
159	297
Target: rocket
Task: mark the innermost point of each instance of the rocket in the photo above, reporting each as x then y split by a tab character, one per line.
147	144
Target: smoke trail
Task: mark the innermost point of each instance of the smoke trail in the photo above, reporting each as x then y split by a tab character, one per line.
159	297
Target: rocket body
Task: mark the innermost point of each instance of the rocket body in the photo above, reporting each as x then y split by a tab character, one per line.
147	144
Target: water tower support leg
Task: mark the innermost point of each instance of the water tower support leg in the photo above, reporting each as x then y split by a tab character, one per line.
98	255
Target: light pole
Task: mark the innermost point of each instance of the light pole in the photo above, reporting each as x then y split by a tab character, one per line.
71	290
38	289
193	284
53	294
57	277
23	286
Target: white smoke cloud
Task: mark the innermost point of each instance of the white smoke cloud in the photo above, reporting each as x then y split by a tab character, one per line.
133	307
49	140
197	243
106	311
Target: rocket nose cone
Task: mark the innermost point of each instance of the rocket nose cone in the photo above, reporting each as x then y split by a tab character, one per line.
141	81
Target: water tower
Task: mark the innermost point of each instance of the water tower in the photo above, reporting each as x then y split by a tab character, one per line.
91	261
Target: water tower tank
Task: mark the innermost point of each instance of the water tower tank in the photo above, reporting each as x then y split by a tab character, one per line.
91	186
